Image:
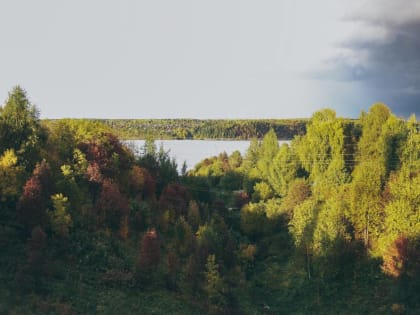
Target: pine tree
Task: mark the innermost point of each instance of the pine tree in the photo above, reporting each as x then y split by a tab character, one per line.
20	128
214	285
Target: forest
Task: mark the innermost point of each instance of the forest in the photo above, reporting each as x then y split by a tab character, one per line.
166	129
328	224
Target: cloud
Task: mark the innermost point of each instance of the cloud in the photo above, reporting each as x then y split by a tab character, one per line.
386	12
381	49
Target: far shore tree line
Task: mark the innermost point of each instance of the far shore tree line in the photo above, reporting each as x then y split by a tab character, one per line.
220	129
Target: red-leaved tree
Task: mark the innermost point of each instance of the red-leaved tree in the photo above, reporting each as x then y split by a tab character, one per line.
35	198
149	255
174	197
112	206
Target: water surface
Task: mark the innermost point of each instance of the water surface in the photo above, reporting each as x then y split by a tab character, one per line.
194	151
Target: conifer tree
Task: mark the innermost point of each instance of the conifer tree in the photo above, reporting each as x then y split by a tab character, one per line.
20	128
214	284
268	150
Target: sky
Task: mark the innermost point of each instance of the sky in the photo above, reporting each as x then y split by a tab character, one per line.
211	59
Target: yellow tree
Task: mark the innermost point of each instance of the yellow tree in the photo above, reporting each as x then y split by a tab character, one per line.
20	128
321	152
9	176
379	128
403	209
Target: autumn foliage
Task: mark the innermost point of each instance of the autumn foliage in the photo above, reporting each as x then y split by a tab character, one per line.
35	198
174	197
149	255
325	224
112	206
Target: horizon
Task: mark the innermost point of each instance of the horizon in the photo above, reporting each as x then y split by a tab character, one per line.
224	118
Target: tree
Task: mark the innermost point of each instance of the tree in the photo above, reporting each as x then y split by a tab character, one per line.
61	142
172	266
107	157
262	191
396	257
183	237
369	175
410	155
331	224
60	219
402	210
365	200
149	254
299	190
283	170
302	226
194	216
268	150
159	164
214	284
253	219
175	198
10	179
321	152
191	276
136	181
235	160
35	199
249	165
208	239
20	128
112	206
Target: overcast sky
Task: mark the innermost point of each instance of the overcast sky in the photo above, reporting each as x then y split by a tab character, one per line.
211	59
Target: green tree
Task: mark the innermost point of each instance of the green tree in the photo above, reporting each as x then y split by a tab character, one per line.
10	177
268	150
235	160
20	128
331	225
370	172
60	219
249	165
254	219
283	170
403	207
184	237
410	155
321	152
262	191
302	226
214	284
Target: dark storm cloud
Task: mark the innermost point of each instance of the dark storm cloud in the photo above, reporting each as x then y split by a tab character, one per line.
384	53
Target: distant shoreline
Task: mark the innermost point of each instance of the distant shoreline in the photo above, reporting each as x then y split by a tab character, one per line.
201	129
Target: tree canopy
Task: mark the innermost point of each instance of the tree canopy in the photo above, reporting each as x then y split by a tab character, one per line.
325	224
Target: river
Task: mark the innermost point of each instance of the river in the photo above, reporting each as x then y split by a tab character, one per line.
194	151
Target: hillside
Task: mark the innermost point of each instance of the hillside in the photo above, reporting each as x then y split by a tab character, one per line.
327	224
